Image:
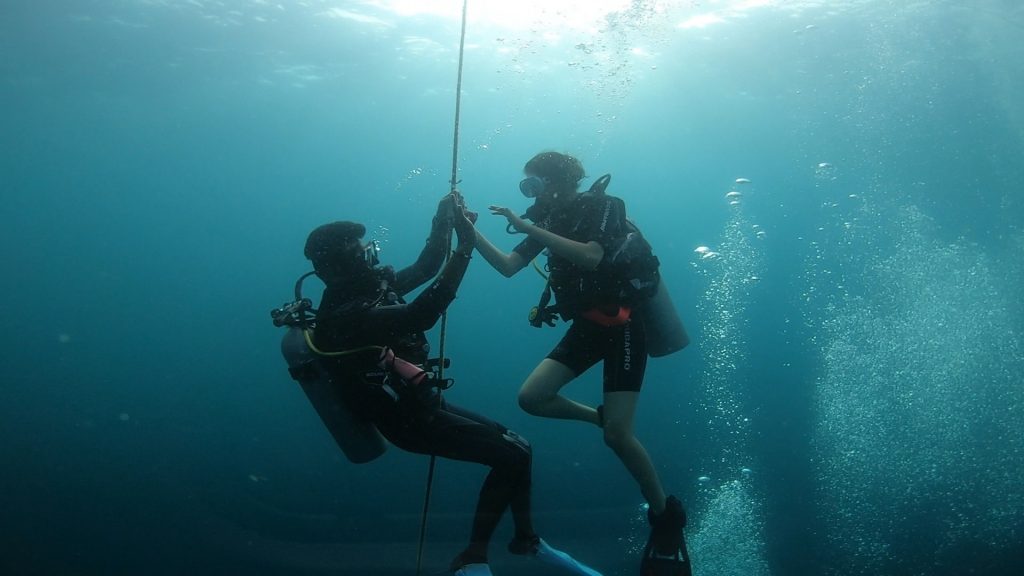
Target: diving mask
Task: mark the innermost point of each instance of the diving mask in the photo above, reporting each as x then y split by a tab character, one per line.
533	186
371	252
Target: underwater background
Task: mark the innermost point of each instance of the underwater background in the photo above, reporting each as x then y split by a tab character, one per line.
833	189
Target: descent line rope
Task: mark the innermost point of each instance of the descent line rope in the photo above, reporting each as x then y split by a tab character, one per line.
444	316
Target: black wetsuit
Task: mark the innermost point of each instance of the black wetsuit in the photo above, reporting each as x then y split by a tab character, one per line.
419	420
623	347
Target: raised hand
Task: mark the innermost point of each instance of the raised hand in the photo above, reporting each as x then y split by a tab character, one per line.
516	222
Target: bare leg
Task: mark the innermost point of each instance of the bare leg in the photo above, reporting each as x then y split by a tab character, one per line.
619	409
539	395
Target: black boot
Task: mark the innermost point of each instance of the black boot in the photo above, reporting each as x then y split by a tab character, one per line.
665	553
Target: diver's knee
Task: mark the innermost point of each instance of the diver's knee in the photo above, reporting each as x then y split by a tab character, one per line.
616	439
520	453
522	461
530	402
519	442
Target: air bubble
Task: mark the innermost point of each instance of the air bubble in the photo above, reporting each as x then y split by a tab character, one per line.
706	252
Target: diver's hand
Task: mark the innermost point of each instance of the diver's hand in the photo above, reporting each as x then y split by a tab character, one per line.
446	208
465	231
450	207
441	226
516	222
461	204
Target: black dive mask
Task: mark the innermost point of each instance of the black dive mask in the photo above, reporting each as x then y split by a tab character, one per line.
371	253
533	186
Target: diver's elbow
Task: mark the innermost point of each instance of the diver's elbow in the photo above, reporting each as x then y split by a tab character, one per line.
510	267
591	257
590	262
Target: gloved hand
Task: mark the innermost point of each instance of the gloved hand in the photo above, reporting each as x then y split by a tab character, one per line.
461	201
450	206
464	229
444	217
446	208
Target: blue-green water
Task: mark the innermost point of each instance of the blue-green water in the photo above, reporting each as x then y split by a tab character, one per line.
853	402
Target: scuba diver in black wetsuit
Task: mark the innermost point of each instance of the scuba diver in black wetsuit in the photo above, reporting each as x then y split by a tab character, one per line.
371	348
615	318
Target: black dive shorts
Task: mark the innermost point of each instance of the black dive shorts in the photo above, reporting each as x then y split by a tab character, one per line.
623	349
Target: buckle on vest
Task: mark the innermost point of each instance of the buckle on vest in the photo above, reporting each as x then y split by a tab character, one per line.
599	317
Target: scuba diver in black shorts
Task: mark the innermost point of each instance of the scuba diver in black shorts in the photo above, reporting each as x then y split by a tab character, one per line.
363	362
603	276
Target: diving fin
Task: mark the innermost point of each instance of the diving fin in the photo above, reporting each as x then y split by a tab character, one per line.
654	564
557	558
474	570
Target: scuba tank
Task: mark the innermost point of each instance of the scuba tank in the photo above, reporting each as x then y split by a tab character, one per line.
357	437
665	331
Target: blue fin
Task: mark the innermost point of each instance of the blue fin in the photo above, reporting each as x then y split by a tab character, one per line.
474	570
549	555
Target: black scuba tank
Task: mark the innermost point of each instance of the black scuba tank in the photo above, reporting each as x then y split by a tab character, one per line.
357	437
662	325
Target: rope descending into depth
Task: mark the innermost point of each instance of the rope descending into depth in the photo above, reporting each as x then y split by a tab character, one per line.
444	316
